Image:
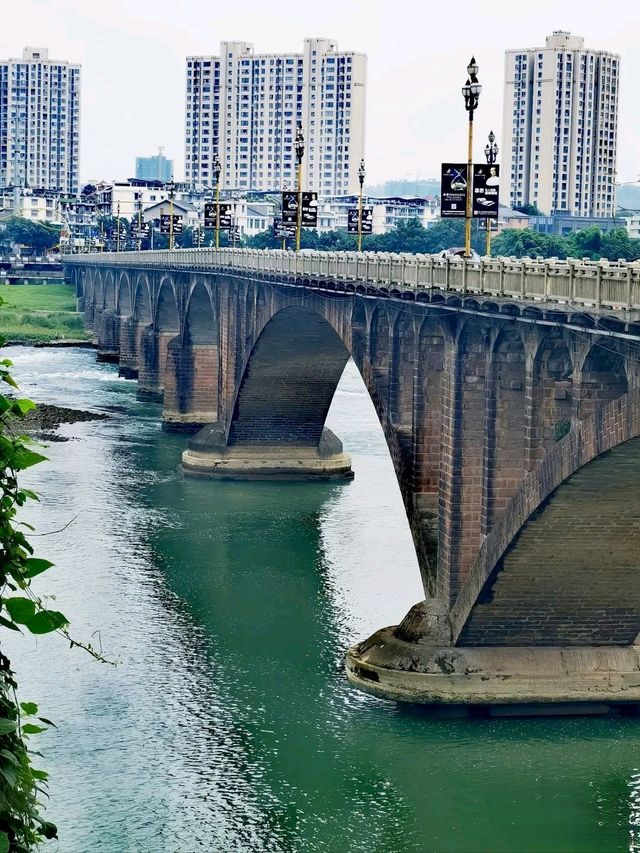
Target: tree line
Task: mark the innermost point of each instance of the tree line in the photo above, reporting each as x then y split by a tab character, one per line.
410	236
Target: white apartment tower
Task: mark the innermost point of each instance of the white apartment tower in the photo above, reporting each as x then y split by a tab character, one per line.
560	127
245	107
39	122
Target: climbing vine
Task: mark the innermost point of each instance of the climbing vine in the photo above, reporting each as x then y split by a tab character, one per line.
22	784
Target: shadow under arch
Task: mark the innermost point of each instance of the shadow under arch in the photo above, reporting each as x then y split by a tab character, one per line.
289	381
560	567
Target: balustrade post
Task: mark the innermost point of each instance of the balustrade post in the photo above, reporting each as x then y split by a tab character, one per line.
572	281
523	279
629	284
501	279
599	285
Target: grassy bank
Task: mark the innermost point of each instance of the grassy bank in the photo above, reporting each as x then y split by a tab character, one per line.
39	313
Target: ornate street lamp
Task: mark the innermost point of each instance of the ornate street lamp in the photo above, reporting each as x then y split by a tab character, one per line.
172	189
491	153
299	148
471	93
217	168
361	176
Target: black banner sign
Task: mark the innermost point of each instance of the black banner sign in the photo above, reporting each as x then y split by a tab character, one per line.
165	227
367	220
453	189
486	185
309	210
309	215
226	216
283	229
141	230
290	207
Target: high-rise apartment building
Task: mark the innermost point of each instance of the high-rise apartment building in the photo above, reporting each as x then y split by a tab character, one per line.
245	107
156	168
559	131
39	122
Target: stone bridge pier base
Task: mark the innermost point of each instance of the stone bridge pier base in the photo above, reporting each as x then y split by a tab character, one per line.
209	455
149	387
190	386
128	348
109	336
528	680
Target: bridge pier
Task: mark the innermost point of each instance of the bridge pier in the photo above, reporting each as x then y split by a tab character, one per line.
149	387
190	386
128	348
391	668
209	455
108	336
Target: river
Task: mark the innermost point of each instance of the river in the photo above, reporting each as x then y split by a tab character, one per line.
228	724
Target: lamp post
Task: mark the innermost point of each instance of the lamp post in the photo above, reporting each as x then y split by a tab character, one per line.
299	147
471	93
217	168
171	194
139	224
491	153
361	175
118	228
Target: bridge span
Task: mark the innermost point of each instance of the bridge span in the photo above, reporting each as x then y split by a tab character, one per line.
509	396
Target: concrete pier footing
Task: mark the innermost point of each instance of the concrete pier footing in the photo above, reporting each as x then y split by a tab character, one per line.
208	456
395	669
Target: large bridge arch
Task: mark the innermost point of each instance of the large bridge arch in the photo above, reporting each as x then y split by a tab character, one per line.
289	380
561	566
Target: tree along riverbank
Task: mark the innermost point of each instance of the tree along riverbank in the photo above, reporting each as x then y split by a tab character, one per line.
40	314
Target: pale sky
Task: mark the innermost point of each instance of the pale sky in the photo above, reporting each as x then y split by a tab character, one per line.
133	63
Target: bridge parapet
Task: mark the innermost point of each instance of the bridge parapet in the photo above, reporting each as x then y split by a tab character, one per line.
592	284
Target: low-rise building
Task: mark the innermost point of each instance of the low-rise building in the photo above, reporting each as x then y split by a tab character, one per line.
388	213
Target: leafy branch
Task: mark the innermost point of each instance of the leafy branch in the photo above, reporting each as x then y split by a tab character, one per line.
22	826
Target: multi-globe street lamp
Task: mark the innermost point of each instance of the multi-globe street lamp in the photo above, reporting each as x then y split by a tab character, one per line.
217	168
299	148
361	176
172	190
471	93
491	153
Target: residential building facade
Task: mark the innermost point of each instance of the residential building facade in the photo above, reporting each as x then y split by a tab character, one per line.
39	122
560	125
245	107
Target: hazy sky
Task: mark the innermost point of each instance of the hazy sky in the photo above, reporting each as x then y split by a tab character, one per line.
133	59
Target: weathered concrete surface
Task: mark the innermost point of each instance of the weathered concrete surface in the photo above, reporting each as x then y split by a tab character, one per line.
413	672
207	456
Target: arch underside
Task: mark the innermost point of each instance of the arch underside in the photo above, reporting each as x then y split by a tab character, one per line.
571	577
289	381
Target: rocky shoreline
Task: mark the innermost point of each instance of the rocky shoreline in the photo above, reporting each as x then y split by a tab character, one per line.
45	420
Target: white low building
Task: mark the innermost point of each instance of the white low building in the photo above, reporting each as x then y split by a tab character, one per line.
388	213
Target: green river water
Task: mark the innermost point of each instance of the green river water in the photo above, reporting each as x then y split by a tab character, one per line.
228	724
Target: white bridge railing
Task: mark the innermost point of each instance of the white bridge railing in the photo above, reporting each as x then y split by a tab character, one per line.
605	284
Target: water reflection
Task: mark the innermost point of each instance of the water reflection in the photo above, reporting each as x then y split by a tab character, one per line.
228	724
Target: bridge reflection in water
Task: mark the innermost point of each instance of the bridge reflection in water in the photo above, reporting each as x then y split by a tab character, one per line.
509	398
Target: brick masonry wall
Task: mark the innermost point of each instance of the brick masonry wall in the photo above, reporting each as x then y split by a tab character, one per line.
490	577
572	575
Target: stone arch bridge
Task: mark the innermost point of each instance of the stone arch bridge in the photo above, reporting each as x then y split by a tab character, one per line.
509	396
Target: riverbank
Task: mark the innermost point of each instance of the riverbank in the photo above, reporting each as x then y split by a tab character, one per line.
40	314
